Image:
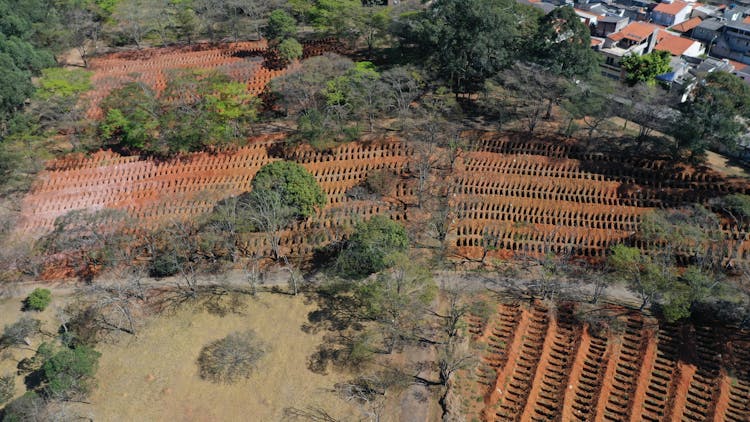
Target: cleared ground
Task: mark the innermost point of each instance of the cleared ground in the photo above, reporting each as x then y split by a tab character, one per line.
154	376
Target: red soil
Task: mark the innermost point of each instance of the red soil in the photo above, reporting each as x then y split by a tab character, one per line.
635	379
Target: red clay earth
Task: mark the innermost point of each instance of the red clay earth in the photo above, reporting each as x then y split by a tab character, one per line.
546	366
152	66
527	202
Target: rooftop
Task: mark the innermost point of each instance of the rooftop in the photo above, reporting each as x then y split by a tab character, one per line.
711	24
612	19
635	31
688	25
674	44
672	8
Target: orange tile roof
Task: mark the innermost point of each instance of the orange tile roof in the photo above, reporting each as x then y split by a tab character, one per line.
746	20
595	42
636	31
671	8
737	65
675	45
687	25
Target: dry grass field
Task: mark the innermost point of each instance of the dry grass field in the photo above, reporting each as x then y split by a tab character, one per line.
154	376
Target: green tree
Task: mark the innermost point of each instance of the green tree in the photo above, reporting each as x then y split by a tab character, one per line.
375	245
590	102
131	116
397	300
281	25
197	110
471	40
646	68
562	45
289	50
297	188
714	114
39	299
70	372
648	279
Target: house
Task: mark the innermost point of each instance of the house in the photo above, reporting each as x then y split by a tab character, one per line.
707	11
735	42
678	46
635	38
589	19
671	12
686	28
708	30
609	25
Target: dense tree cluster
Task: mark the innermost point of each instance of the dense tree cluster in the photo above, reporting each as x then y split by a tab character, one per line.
219	111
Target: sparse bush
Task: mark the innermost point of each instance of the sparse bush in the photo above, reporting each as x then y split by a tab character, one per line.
38	300
231	358
29	407
7	387
17	333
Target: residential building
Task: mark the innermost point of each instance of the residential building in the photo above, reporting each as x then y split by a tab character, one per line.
609	25
686	28
636	38
671	12
708	31
678	46
589	19
707	11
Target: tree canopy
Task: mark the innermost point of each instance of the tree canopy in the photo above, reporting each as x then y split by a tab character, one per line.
297	188
562	45
647	67
219	113
714	114
281	25
375	245
471	40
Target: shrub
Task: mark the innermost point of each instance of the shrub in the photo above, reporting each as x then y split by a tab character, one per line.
7	387
38	300
16	333
231	358
164	264
29	407
297	187
289	50
374	246
70	372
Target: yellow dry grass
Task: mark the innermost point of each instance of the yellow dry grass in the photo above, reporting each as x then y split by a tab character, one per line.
10	312
154	376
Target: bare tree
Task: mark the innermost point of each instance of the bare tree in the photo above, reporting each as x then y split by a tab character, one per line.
85	29
134	20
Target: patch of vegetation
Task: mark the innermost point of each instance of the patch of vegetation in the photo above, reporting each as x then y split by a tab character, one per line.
136	119
20	331
296	187
231	358
70	372
38	300
7	387
375	245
